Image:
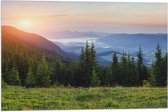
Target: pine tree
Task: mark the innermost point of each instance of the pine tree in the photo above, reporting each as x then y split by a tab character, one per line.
58	74
82	57
159	67
105	74
73	72
129	72
115	70
93	67
82	69
5	72
33	62
141	68
139	65
13	76
133	72
124	70
43	73
30	79
22	64
93	58
88	62
152	79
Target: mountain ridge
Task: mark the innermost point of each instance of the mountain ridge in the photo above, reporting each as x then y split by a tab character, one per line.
33	41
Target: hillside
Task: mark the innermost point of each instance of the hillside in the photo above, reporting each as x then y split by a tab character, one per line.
12	36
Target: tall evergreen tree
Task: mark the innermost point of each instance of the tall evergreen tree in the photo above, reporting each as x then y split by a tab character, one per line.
74	74
13	76
30	79
105	75
82	68
93	67
43	73
133	72
59	73
88	62
22	64
159	67
141	68
139	65
115	70
93	58
124	70
88	65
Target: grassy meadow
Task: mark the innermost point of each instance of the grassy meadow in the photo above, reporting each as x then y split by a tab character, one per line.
20	98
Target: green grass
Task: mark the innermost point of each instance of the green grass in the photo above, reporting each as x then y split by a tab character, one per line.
20	98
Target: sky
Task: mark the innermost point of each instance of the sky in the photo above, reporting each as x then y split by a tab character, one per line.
48	17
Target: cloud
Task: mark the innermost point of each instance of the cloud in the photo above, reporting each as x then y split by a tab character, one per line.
56	15
10	17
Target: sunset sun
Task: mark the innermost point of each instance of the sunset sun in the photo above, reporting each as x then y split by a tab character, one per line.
26	23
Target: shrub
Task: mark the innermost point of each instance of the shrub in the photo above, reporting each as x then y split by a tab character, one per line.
146	83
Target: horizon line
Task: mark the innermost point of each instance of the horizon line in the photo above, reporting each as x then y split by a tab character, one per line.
85	31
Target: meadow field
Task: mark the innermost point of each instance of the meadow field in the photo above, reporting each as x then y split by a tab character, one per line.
53	98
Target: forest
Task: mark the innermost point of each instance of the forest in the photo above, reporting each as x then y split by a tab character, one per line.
22	67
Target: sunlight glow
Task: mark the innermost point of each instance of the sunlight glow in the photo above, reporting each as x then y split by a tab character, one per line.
26	23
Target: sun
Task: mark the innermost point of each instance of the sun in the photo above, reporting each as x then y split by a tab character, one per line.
26	23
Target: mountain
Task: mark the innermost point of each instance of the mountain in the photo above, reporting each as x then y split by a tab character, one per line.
14	36
108	53
131	42
106	44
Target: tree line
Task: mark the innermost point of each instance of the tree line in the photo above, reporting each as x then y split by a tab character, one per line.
22	67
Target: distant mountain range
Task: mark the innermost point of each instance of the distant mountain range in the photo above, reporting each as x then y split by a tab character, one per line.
106	44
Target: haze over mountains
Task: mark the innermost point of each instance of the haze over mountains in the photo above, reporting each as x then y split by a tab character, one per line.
107	43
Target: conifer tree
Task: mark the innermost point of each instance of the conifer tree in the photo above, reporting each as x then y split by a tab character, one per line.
133	75
93	67
73	72
43	73
82	57
13	76
124	70
22	64
141	68
87	77
30	79
139	64
88	64
115	70
93	58
82	68
129	72
159	67
105	74
59	73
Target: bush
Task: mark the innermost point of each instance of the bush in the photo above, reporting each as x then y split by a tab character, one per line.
146	83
